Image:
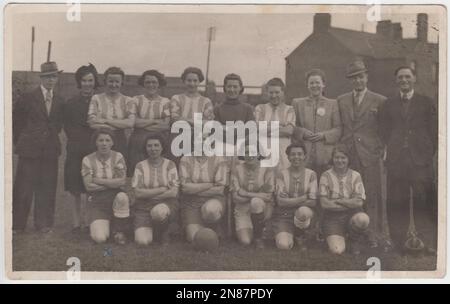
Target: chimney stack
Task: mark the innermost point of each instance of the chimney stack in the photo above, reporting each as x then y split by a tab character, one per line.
384	28
422	27
322	22
397	31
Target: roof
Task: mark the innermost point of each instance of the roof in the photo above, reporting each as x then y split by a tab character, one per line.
369	44
377	46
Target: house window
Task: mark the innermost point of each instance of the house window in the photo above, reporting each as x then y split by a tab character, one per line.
435	72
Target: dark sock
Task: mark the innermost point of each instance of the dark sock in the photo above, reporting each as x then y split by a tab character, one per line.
120	224
258	224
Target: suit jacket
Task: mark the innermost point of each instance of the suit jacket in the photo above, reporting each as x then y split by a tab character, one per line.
35	133
327	121
418	127
360	128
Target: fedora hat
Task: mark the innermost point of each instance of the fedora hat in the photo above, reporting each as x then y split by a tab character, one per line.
49	68
355	68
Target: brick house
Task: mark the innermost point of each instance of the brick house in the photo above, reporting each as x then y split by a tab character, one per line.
331	49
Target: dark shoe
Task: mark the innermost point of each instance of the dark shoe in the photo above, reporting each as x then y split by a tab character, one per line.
46	230
430	251
120	238
300	242
18	231
76	230
165	239
259	243
355	248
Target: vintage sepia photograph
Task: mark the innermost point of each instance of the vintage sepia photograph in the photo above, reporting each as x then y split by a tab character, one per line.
153	141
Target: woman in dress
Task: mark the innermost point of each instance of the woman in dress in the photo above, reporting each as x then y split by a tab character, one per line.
104	175
342	196
184	106
112	109
152	116
252	188
78	134
318	122
155	183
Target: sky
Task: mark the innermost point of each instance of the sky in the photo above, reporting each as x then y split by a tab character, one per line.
252	45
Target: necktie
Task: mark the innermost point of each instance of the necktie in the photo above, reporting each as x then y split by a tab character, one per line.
405	105
48	101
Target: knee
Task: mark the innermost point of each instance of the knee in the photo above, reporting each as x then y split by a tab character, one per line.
284	243
257	205
143	238
302	217
244	238
121	205
336	247
191	230
160	213
99	235
360	220
212	211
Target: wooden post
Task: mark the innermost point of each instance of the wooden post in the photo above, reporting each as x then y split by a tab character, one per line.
32	48
49	50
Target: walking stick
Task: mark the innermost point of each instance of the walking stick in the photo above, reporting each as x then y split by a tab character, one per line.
413	243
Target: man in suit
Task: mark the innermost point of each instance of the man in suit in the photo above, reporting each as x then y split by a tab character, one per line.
37	120
361	134
409	129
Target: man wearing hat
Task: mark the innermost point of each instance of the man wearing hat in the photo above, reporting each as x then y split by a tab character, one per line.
361	134
37	120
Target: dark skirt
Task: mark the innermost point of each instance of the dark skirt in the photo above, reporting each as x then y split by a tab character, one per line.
73	181
136	147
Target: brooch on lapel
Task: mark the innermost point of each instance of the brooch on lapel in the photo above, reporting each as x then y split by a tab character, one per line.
321	111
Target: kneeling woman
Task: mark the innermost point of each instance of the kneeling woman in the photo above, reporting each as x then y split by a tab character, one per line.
104	173
252	189
342	197
155	183
203	181
296	191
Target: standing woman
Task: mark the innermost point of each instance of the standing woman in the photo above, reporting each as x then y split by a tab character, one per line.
277	110
155	183
252	188
318	122
112	109
185	105
104	174
152	116
78	146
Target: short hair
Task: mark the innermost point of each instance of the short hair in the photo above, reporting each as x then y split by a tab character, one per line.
193	70
315	72
233	76
102	131
86	70
114	71
342	149
296	145
403	67
153	137
246	144
276	82
160	76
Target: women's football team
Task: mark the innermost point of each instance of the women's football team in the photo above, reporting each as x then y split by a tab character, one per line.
301	199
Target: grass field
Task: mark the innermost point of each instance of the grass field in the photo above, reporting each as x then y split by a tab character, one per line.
36	252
